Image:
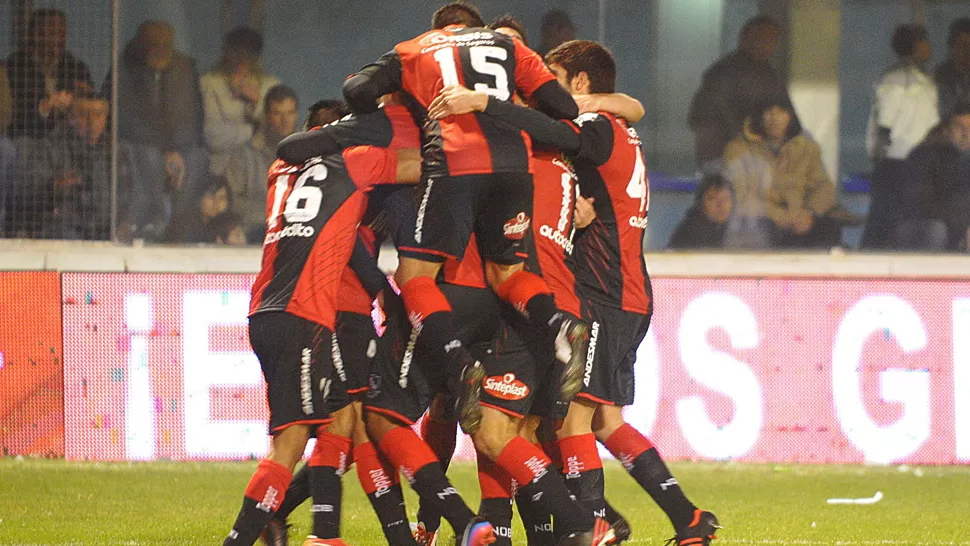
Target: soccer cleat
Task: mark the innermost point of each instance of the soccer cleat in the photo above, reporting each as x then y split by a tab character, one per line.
470	393
275	533
700	532
621	528
601	534
571	345
422	536
314	541
478	532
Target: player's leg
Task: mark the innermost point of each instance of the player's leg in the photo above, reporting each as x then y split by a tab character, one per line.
581	462
441	436
496	504
280	340
327	464
503	227
442	228
537	523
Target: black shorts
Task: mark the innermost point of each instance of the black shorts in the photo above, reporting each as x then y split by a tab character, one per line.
614	337
497	208
404	380
295	356
357	346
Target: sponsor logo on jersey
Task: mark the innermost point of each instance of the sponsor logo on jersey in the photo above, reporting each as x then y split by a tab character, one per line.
557	237
517	227
292	230
506	387
639	222
306	388
594	332
436	40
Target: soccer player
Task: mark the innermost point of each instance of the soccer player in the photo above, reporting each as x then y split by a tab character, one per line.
355	345
612	279
475	180
313	212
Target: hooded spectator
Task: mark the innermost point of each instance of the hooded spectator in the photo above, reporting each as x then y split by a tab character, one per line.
704	224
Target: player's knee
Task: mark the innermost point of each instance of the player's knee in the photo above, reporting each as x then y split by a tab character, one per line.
496	431
286	446
409	268
343	422
578	420
606	420
377	425
496	274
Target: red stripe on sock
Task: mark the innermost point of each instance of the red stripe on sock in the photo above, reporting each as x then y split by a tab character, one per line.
523	461
268	484
374	476
331	450
422	298
495	482
441	436
626	443
579	454
521	287
406	451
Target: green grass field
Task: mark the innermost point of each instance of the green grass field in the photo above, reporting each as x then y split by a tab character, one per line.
58	502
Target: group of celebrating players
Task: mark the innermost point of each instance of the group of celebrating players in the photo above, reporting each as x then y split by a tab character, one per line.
516	310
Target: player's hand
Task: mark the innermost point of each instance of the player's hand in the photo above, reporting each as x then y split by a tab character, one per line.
585	212
803	222
454	100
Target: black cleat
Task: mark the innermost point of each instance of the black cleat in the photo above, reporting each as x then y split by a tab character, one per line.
621	527
470	392
571	344
275	533
600	535
700	532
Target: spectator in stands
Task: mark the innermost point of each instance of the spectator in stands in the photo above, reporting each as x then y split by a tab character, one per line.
557	27
160	118
733	88
248	166
44	76
8	153
904	109
953	74
704	224
233	95
783	194
67	176
211	221
933	199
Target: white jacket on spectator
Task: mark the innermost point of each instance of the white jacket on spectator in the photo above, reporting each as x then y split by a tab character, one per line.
230	121
906	102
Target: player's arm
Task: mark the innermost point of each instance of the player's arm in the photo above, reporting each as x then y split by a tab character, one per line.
543	129
363	90
372	129
534	80
364	263
619	104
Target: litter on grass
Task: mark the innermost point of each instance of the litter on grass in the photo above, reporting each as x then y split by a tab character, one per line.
866	500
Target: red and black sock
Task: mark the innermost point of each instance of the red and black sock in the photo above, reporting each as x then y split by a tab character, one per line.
583	469
383	488
296	493
263	496
496	506
530	295
535	476
429	311
643	462
327	465
441	437
418	464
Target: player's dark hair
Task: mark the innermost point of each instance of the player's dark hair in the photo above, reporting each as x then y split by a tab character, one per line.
958	27
323	112
457	13
586	56
906	38
278	93
757	23
758	117
509	21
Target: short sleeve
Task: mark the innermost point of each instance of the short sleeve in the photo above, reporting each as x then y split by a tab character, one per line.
531	72
368	165
595	138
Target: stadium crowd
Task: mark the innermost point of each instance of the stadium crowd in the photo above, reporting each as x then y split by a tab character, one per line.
193	149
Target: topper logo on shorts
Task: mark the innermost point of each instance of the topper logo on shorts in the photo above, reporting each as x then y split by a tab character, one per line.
506	387
516	227
306	394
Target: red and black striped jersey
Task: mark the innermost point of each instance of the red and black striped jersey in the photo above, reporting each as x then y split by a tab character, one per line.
608	259
552	220
313	211
476	58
